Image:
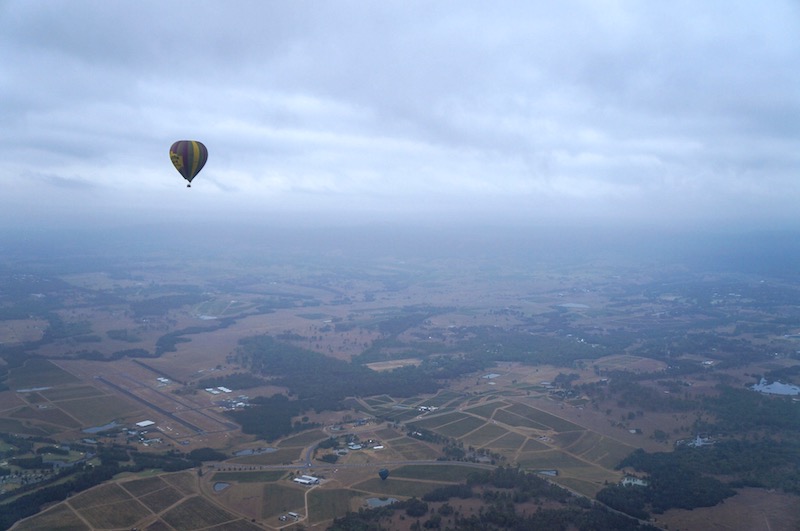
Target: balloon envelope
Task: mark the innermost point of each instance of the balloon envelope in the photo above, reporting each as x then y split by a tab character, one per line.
189	157
383	473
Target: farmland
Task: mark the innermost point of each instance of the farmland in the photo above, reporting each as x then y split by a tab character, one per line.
422	367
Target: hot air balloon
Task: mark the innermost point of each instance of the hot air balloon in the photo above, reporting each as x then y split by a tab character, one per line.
383	473
189	157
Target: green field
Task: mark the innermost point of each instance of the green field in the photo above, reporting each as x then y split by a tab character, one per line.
260	476
161	499
303	439
106	493
395	487
551	459
446	473
413	450
280	499
25	428
71	392
100	410
140	487
122	514
431	423
278	457
532	445
50	415
484	435
487	409
186	482
510	441
326	504
39	373
196	513
506	417
460	428
59	518
556	423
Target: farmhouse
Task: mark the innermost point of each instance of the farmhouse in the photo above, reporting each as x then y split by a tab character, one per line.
630	481
306	480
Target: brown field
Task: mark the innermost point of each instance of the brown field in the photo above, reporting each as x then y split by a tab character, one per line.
749	509
140	487
196	513
394	364
21	330
58	518
115	515
103	494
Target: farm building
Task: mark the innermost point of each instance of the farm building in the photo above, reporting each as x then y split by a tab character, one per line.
306	480
144	424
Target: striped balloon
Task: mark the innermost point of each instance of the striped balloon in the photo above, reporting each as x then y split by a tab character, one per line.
189	157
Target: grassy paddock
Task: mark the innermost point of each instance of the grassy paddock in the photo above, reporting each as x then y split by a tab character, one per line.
123	514
186	482
324	504
49	415
395	487
96	411
303	439
258	476
279	498
101	495
509	441
59	518
161	499
434	422
142	486
506	417
461	427
445	473
39	373
196	513
551	459
485	435
71	392
278	457
537	415
487	410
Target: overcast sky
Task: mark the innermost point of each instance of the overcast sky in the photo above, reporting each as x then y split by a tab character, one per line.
534	112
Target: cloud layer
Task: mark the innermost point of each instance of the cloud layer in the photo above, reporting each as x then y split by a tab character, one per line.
662	113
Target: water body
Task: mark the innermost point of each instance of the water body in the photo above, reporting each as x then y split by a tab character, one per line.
98	429
255	451
776	388
380	502
220	486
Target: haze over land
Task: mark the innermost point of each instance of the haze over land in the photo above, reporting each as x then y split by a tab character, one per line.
514	254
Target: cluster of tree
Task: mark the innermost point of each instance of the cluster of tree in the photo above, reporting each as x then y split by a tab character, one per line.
123	335
496	344
631	393
163	304
503	490
742	410
268	418
321	382
680	479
